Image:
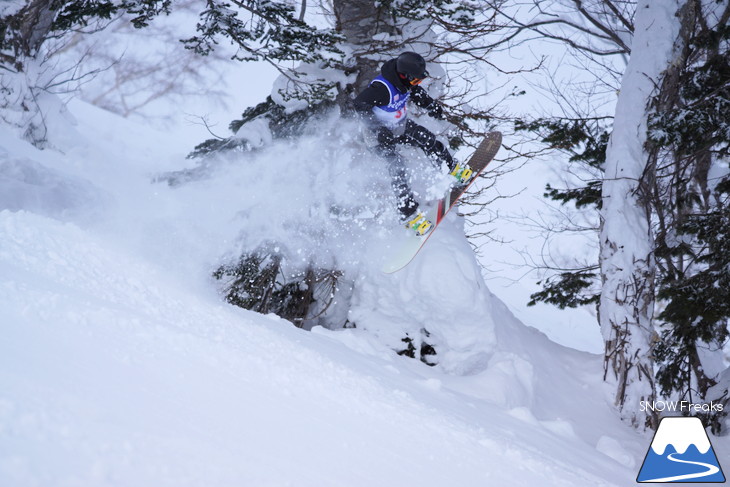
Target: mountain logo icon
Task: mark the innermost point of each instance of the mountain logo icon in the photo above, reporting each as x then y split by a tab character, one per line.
681	452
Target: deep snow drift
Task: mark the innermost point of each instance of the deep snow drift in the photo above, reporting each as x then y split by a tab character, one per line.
121	365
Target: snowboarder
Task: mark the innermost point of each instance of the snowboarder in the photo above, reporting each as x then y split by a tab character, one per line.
383	106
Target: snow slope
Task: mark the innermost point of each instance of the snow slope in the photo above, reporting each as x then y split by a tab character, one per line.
112	375
120	365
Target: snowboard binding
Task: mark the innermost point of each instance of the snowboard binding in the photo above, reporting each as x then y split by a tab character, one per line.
463	174
420	224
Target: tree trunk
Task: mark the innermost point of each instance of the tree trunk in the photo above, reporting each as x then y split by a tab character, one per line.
627	261
359	21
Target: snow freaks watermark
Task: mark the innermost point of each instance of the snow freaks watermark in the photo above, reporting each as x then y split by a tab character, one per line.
681	452
679	407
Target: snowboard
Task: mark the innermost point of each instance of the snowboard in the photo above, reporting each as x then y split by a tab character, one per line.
402	252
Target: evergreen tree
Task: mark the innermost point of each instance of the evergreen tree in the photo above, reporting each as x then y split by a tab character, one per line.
25	27
583	141
259	281
689	139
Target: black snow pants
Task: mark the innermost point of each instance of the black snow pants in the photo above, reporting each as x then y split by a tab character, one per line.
415	135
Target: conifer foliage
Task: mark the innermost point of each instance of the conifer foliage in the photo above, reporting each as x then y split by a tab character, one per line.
690	139
263	30
259	30
583	141
23	31
25	28
260	281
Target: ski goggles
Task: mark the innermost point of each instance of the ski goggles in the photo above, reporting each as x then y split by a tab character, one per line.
413	80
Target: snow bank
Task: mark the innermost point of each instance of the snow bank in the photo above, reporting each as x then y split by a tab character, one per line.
440	300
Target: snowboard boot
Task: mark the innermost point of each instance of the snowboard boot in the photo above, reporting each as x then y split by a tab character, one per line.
419	224
463	174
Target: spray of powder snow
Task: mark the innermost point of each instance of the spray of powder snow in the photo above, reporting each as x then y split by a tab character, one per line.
323	199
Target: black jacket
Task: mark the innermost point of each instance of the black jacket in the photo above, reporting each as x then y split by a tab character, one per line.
376	95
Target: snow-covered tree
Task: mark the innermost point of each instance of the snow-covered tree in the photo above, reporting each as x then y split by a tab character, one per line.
628	260
664	201
26	27
688	144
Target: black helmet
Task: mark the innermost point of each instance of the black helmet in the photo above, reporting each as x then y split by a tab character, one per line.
411	66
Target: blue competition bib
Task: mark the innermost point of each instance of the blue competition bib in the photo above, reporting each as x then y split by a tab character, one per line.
394	113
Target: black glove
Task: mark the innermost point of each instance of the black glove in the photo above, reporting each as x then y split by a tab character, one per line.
436	111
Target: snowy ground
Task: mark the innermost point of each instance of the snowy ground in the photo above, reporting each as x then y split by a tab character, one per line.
120	365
